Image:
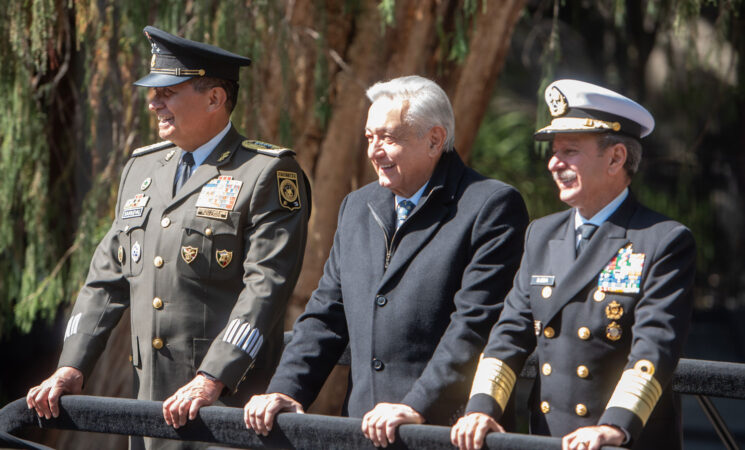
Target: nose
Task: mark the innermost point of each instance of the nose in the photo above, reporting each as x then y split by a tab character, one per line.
554	163
155	103
374	148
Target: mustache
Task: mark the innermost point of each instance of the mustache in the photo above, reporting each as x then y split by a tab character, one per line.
564	175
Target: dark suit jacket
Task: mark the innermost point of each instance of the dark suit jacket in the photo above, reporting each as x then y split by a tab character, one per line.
556	310
415	304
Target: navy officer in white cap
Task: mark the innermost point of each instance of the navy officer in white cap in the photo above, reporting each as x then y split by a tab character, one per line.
205	249
603	294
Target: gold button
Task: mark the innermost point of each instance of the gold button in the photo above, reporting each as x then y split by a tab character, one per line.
583	371
599	296
130	358
584	333
157	343
208	231
164	222
157	303
158	261
549	332
546	369
546	291
545	407
580	409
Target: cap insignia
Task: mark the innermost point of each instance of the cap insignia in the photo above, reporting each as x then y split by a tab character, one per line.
557	102
152	60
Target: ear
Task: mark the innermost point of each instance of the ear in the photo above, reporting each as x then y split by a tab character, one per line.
436	139
216	98
617	154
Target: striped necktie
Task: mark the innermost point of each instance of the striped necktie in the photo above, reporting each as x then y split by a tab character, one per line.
184	171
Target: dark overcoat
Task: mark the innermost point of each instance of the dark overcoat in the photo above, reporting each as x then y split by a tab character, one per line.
415	304
590	339
206	273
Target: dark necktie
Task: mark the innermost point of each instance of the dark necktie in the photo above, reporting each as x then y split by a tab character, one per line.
402	211
585	231
184	171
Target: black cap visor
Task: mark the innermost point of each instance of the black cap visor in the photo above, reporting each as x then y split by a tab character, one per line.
160	80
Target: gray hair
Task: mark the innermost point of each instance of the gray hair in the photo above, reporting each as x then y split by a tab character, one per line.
633	150
428	105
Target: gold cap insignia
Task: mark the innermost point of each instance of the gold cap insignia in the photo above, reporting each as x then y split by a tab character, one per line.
614	310
289	195
613	331
223	258
557	102
189	254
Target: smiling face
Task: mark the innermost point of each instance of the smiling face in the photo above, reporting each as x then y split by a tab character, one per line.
402	159
181	111
588	178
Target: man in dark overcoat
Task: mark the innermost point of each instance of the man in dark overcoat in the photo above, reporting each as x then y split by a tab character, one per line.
205	248
420	263
603	294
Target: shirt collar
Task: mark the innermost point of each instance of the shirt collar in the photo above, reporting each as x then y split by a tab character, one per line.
201	153
414	198
603	214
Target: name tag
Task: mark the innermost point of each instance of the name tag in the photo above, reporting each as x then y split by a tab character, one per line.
542	280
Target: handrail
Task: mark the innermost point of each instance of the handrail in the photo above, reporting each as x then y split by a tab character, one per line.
222	425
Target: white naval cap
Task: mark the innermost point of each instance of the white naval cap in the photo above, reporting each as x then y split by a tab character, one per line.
579	107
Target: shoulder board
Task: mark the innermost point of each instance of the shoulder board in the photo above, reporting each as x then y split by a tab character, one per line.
152	148
267	149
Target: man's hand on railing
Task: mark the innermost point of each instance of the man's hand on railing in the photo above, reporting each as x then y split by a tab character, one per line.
469	431
44	398
201	391
260	411
593	438
380	423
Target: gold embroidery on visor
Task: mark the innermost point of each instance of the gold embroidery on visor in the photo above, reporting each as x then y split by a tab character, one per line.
578	123
495	379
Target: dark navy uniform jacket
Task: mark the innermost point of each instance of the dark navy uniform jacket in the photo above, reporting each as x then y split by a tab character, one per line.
206	273
415	304
605	356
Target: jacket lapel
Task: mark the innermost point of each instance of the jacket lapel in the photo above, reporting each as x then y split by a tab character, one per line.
603	246
209	169
166	174
427	218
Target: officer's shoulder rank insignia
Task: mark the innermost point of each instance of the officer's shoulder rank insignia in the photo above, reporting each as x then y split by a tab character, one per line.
623	274
266	149
152	148
289	195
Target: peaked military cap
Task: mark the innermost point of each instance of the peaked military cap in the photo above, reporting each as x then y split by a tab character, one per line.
176	60
580	107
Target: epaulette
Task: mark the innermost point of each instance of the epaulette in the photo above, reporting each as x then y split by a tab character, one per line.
152	148
267	149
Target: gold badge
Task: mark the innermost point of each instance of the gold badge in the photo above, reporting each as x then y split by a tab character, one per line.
288	190
170	154
189	254
120	254
557	102
223	156
613	331
645	366
614	311
223	258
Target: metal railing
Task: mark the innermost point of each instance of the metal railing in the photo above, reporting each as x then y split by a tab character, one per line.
222	425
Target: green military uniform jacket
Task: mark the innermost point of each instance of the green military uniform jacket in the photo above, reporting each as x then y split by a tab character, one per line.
207	273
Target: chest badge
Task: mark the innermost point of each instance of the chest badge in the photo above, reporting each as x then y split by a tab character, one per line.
146	183
218	197
134	207
136	252
613	331
289	196
223	258
170	154
189	254
623	274
614	310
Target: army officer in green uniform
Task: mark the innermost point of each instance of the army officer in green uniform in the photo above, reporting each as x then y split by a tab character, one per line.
205	248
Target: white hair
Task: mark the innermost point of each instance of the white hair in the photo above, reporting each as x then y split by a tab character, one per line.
428	105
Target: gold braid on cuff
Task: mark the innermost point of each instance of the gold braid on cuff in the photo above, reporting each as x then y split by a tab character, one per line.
578	123
495	379
636	391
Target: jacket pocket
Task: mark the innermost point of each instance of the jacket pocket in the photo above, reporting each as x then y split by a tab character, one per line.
131	233
209	248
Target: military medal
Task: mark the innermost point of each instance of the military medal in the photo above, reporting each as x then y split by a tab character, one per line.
223	258
135	206
146	183
613	331
614	310
218	197
189	253
624	272
288	190
136	252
